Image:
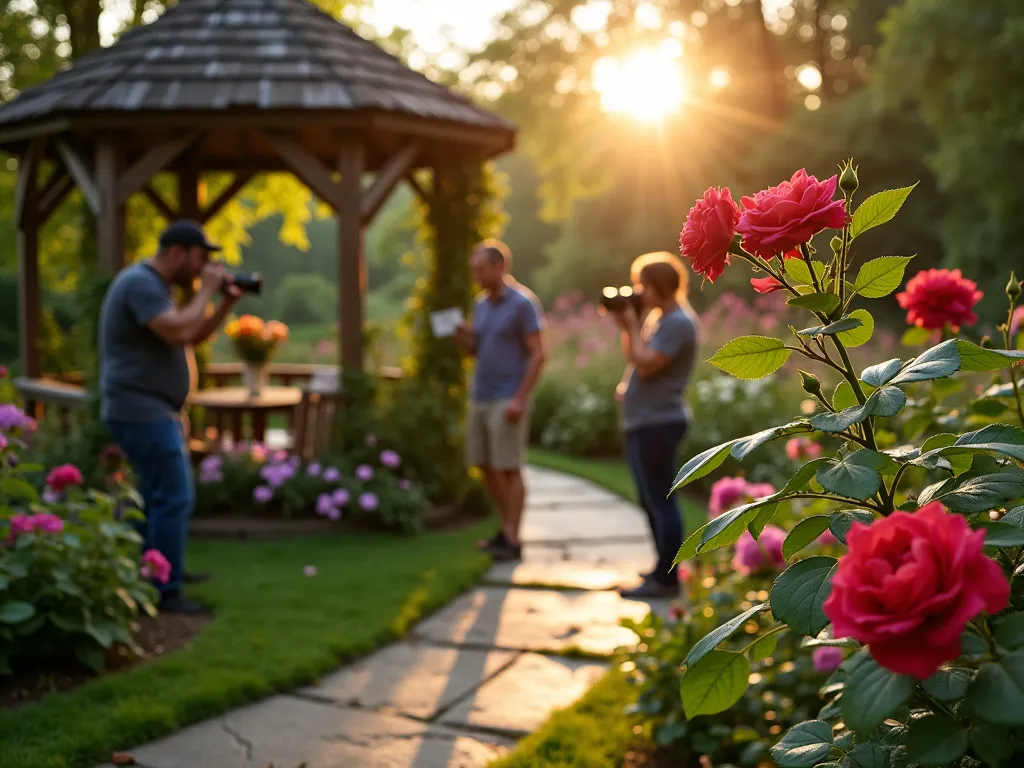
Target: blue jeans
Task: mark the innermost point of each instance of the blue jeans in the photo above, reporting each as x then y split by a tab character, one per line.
652	453
157	453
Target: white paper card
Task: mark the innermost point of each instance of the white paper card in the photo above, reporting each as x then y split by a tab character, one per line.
444	322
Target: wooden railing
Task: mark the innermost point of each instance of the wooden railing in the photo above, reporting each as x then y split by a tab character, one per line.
43	397
282	374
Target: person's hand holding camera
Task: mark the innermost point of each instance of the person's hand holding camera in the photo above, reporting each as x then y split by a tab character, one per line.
213	277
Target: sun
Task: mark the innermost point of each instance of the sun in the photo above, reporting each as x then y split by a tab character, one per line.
647	84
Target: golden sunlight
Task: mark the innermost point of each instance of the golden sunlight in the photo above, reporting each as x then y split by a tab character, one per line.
647	84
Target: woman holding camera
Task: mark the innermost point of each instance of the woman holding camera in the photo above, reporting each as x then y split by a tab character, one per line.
660	354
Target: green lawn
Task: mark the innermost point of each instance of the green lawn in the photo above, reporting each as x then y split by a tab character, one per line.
614	475
274	628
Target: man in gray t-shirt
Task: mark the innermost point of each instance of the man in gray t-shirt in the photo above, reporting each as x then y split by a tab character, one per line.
144	382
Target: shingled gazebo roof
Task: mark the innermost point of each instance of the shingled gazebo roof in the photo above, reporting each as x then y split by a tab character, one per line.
209	58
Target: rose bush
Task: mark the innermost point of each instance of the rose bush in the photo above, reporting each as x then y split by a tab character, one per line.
927	601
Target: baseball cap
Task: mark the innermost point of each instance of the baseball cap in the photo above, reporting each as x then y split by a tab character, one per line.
186	233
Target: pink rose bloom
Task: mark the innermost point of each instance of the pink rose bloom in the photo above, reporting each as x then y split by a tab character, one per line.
935	298
828	539
154	566
63	477
48	522
390	459
368	502
908	586
727	493
3	443
778	219
364	473
765	284
800	448
1017	320
708	232
827	658
766	552
21	523
759	490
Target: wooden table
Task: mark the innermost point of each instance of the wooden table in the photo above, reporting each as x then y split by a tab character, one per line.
229	405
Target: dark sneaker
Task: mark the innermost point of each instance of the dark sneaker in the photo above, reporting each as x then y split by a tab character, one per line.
175	602
506	552
195	578
497	540
651	589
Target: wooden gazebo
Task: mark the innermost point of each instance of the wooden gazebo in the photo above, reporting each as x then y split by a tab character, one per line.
237	86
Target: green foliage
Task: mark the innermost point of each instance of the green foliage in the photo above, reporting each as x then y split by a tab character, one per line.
305	299
751	357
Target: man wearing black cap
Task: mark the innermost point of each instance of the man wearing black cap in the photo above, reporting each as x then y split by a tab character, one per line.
144	341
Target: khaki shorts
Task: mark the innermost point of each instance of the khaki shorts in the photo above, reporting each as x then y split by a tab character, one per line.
491	441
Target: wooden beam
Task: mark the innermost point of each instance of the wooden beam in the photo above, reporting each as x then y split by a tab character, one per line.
29	289
416	186
50	198
351	266
110	231
150	164
308	169
48	128
225	197
159	203
80	172
387	177
188	192
26	190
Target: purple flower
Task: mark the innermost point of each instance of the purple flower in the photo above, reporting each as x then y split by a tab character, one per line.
332	475
405	484
827	658
313	470
12	417
390	459
310	570
368	501
51	496
371	441
334	514
3	443
263	494
341	497
209	478
276	475
294	462
325	505
364	473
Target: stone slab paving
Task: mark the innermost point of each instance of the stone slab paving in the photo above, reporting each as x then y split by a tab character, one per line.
469	679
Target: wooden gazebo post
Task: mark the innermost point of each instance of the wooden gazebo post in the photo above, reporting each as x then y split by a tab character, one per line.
319	102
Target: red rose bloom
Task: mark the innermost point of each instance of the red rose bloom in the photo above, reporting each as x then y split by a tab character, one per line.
778	219
909	585
936	297
765	284
64	476
709	231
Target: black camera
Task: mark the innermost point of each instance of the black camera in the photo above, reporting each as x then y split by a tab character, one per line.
247	283
617	299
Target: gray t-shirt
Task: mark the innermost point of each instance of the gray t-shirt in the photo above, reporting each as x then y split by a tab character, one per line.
659	398
142	377
502	327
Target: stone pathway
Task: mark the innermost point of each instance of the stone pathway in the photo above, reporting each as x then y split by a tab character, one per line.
471	679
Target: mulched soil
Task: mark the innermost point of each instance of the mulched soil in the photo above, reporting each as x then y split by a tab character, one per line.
165	634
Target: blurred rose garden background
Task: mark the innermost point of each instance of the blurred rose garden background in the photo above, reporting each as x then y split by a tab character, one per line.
627	112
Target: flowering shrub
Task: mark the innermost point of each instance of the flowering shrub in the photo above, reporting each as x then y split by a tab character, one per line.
928	597
69	579
368	485
255	341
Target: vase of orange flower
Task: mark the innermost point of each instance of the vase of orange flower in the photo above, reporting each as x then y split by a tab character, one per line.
255	342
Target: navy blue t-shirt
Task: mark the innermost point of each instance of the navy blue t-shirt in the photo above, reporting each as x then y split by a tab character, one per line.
501	326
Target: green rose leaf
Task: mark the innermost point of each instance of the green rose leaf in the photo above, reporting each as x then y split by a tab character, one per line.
689	549
887	401
715	684
711	640
802	478
915	337
837	422
842	521
800	590
825	303
936	739
872	693
797	271
846	324
993	744
16	488
745	445
805	533
979	360
729	526
881	374
878	209
977	494
868	755
856	475
861	334
843	397
1010	632
16	611
804	745
935	363
997	693
764	647
1002	439
999	534
752	357
880	277
949	684
701	465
